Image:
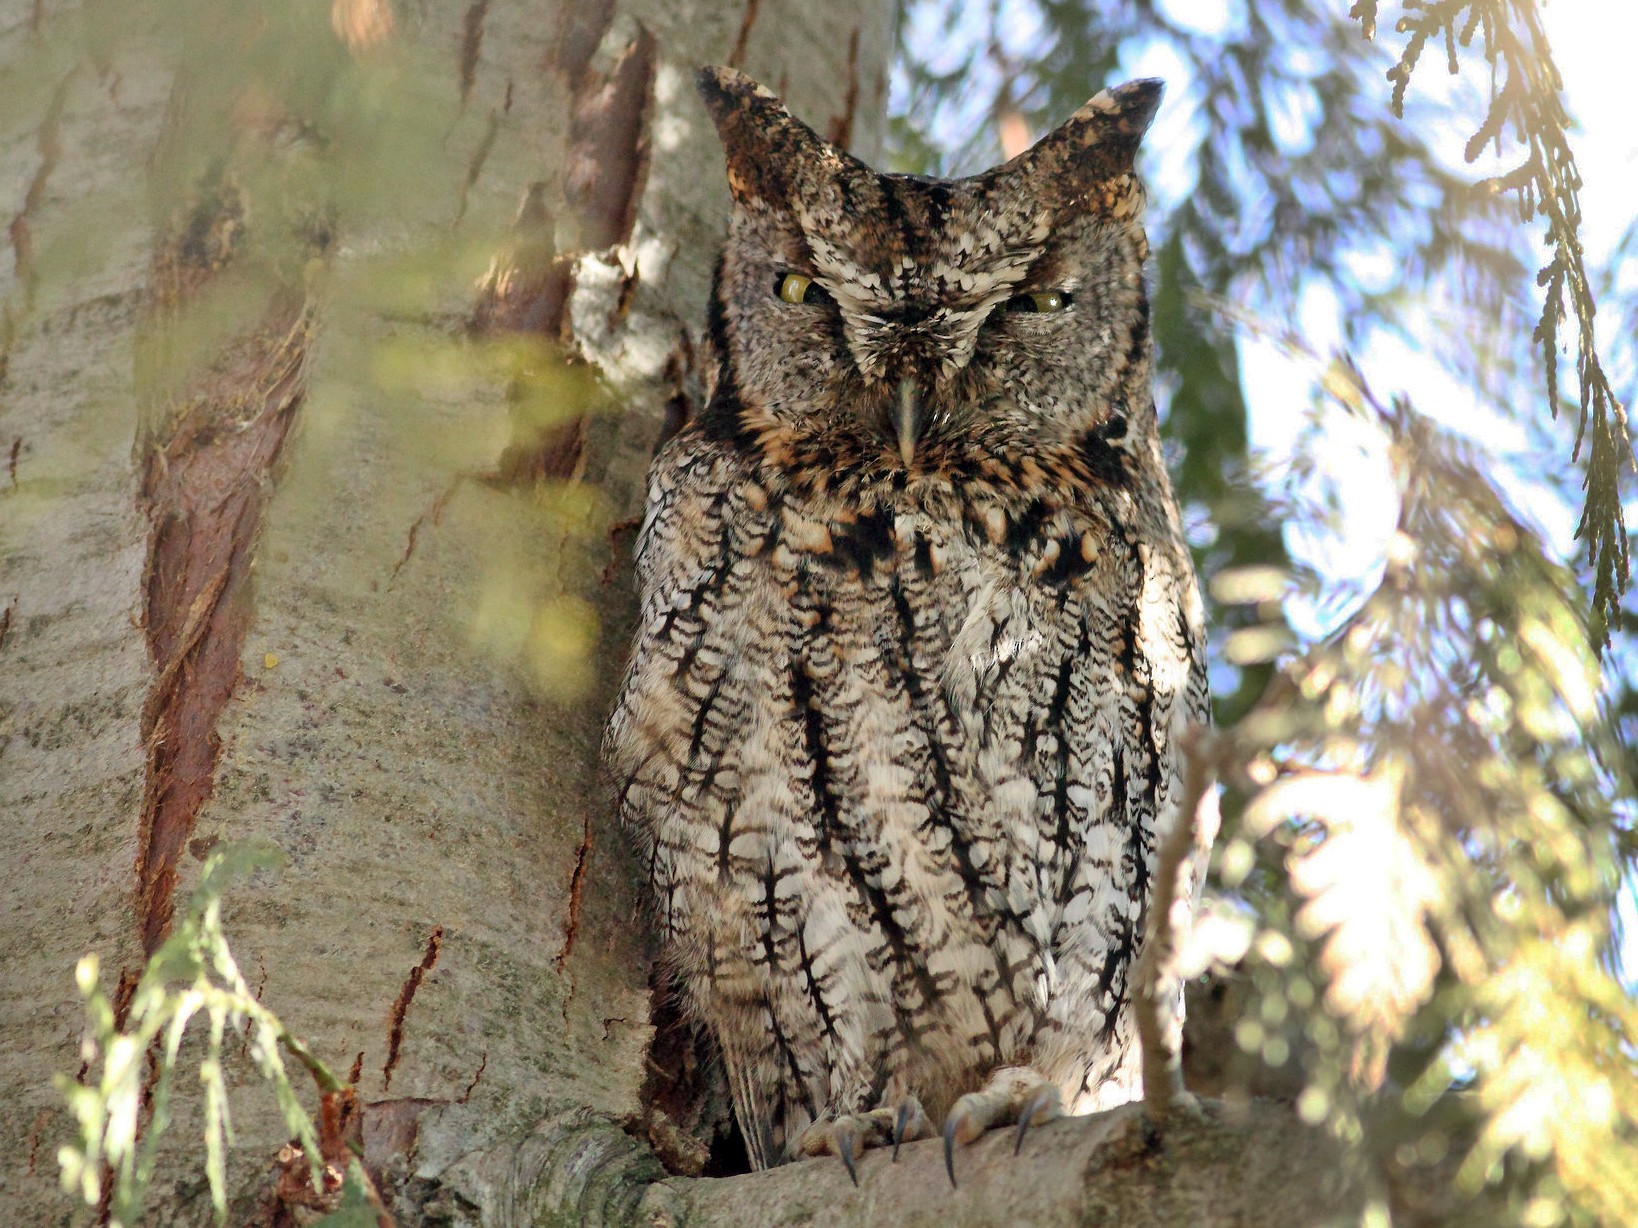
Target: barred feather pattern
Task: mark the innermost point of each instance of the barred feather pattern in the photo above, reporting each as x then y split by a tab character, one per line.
899	737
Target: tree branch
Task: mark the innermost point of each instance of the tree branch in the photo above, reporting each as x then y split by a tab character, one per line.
1220	1169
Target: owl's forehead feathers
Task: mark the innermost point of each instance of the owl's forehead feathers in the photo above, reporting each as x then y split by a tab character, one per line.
882	236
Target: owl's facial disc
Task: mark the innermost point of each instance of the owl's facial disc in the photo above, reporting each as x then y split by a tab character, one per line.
903	317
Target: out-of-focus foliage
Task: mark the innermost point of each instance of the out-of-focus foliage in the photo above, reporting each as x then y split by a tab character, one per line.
123	1108
1431	832
1428	816
1524	100
1285	167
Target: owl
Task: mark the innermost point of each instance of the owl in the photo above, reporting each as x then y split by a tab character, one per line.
919	640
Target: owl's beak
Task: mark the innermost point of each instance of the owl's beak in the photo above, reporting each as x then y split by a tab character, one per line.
909	416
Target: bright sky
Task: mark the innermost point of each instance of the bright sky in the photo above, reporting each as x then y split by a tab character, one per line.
1592	41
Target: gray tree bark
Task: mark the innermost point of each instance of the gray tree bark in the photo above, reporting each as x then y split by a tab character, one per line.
305	540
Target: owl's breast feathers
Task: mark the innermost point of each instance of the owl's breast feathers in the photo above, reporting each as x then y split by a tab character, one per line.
898	765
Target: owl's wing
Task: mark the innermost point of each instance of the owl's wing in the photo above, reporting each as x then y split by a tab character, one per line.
694	698
682	557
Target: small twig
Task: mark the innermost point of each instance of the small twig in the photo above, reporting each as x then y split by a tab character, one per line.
1159	984
326	1081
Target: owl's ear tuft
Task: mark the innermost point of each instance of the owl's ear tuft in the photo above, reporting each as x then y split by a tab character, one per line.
1127	110
1095	145
765	144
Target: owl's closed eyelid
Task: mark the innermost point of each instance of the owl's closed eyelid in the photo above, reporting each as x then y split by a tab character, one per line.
1049	301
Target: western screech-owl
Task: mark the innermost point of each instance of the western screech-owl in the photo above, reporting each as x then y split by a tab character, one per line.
919	638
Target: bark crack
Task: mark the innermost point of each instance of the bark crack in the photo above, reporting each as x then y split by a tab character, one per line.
736	57
475	165
477	1076
841	128
434	514
577	884
40	1119
471	44
8	335
400	1007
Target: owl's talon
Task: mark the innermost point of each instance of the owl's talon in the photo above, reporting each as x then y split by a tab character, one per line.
849	1135
909	1124
1043	1103
1013	1094
845	1136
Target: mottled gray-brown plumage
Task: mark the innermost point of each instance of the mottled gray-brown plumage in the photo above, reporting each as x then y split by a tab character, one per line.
919	637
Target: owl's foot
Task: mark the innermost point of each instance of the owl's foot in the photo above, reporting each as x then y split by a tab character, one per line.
1014	1094
848	1135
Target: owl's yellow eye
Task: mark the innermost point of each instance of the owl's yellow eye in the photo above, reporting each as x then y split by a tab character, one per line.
1041	300
795	288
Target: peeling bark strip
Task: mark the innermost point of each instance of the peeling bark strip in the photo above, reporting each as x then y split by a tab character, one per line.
605	164
607	158
207	453
205	489
580	32
406	995
527	287
527	290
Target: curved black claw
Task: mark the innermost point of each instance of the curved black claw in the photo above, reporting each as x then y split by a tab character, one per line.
949	1148
846	1139
1032	1106
901	1122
